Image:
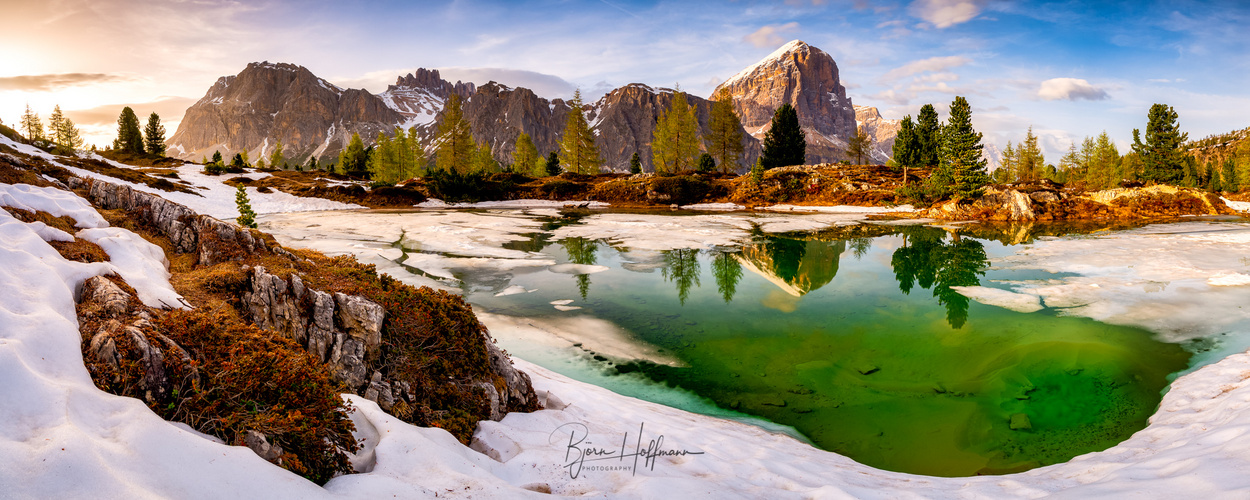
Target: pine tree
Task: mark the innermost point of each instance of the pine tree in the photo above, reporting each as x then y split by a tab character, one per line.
578	151
1213	183
553	164
1102	172
724	139
635	164
455	147
32	126
129	138
858	145
961	152
675	142
354	159
217	157
524	154
64	134
1229	176
785	143
928	136
154	136
906	151
1161	157
312	163
237	164
706	163
247	218
277	159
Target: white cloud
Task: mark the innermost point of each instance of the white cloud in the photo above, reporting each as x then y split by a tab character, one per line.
1071	89
932	64
946	13
770	36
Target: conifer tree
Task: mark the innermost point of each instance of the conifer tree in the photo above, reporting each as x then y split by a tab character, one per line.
55	121
524	154
483	160
1213	183
785	143
706	163
635	164
1161	157
354	159
243	154
247	217
237	163
129	138
1229	175
728	272
154	135
277	159
906	151
312	163
724	139
553	164
32	126
928	136
858	145
1006	171
455	147
578	151
675	142
217	157
961	152
1029	159
1102	171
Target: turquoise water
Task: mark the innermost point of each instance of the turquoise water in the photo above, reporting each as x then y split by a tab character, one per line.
857	343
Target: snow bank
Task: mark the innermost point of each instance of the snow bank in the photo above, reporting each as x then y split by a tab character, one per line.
57	202
142	264
1019	302
1240	206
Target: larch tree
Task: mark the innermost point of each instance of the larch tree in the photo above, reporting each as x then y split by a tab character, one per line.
578	152
859	145
154	135
785	143
483	159
56	120
928	136
1029	159
961	152
675	141
524	154
1160	154
277	159
455	139
129	138
31	125
354	159
63	131
1006	171
724	138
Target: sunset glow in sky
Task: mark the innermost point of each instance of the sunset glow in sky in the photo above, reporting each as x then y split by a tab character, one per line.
1068	69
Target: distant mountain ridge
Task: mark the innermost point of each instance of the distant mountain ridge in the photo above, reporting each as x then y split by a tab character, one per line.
267	103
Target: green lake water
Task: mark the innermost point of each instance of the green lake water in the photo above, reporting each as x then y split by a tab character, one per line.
862	346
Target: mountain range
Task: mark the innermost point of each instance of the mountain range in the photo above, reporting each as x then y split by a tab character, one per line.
268	103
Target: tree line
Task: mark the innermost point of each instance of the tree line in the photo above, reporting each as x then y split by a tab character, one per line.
62	136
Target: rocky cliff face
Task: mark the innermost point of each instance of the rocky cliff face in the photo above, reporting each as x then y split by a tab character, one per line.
420	96
806	78
881	130
267	103
624	121
497	114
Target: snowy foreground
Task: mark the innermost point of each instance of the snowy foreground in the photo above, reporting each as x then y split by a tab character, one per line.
61	437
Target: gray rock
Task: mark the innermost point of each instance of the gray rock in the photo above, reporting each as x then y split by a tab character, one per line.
259	444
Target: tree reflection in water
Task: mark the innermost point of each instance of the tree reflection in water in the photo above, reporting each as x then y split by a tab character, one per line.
682	268
581	251
927	259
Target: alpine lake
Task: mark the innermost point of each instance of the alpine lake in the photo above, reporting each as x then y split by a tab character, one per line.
851	338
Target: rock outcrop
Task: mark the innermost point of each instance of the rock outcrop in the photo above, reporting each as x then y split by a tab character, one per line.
1045	200
806	78
268	103
212	240
880	130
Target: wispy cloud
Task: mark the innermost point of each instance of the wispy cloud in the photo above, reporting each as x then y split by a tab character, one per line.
170	109
1071	89
946	13
771	35
49	83
932	64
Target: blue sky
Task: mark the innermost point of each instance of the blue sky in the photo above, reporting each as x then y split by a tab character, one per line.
1068	69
